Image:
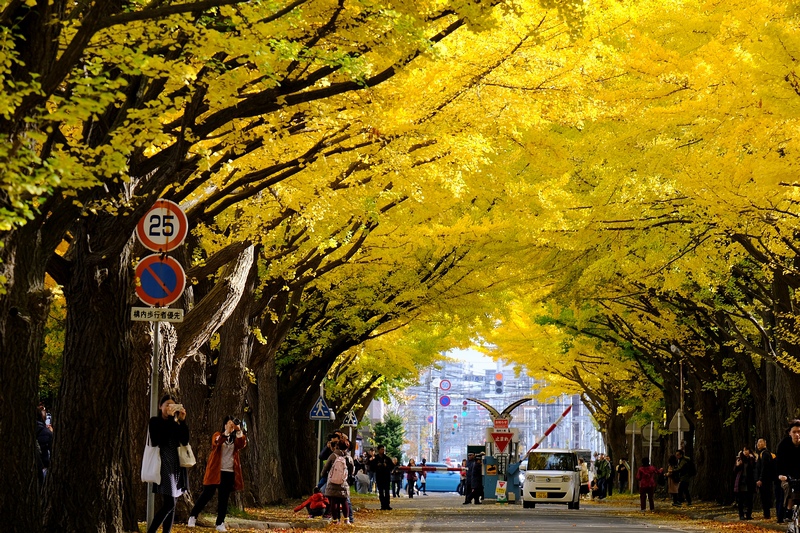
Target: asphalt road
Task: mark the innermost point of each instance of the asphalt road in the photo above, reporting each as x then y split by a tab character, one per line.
445	513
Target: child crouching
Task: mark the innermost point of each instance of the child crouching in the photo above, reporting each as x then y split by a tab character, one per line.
316	504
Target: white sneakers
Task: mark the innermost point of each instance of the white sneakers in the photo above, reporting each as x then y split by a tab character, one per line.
193	521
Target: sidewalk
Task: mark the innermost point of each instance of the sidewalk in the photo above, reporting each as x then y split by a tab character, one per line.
628	505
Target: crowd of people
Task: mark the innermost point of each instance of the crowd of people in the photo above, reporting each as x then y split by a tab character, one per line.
757	473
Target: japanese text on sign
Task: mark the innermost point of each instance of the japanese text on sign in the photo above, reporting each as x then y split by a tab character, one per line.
146	314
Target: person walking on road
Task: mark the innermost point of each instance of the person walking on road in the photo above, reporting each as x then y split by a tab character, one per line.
646	476
765	476
397	478
223	471
476	481
411	479
686	470
423	478
168	430
468	478
744	483
383	466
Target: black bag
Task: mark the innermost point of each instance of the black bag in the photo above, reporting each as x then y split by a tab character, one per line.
661	479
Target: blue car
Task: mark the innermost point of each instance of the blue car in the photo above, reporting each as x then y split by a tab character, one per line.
440	481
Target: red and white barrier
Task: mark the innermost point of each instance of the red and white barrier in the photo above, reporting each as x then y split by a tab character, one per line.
550	429
431	468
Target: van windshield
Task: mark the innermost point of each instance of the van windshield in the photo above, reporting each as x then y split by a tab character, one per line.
552	461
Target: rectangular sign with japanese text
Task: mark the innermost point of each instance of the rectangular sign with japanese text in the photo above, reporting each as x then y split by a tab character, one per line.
156	314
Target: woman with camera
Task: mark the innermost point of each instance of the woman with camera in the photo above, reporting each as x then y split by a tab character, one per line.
167	432
223	470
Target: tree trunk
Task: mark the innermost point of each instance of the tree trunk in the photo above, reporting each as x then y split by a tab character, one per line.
92	435
138	418
298	447
270	481
617	442
23	312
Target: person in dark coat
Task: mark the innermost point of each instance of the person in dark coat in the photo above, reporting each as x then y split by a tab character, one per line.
382	465
411	479
168	431
744	483
765	475
476	481
397	478
468	478
788	462
44	437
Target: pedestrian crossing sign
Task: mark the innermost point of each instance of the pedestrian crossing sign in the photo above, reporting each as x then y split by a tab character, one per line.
350	420
320	411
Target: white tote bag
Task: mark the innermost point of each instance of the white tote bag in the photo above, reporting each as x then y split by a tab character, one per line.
186	456
151	463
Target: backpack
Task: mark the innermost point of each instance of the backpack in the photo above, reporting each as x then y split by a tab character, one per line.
689	469
338	474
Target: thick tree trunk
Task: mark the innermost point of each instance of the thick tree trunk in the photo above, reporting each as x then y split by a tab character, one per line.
23	312
94	400
269	480
138	417
298	446
617	442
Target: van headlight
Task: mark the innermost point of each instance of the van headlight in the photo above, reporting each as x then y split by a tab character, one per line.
565	478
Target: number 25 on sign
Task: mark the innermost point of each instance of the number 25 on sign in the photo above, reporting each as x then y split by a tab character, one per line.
163	228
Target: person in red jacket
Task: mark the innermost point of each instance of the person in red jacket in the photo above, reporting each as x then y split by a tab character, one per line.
223	470
646	476
315	504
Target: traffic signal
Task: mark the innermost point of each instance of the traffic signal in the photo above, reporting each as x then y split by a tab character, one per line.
498	383
464	408
455	421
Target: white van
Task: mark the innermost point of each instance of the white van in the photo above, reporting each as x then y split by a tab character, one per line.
551	476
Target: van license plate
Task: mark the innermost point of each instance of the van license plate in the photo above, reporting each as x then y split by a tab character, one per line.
541	495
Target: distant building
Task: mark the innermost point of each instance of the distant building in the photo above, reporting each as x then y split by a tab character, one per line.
461	424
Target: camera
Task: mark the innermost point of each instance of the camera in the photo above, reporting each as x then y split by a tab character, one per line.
237	422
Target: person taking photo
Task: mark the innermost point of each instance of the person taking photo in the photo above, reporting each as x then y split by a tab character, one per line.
223	470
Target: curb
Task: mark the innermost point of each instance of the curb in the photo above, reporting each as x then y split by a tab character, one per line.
243	523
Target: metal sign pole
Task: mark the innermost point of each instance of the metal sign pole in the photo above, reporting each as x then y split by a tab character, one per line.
680	429
319	432
633	457
650	450
153	409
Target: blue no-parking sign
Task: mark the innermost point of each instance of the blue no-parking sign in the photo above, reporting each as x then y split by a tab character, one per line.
160	280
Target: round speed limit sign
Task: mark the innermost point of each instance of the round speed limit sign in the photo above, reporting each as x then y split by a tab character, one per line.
163	228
